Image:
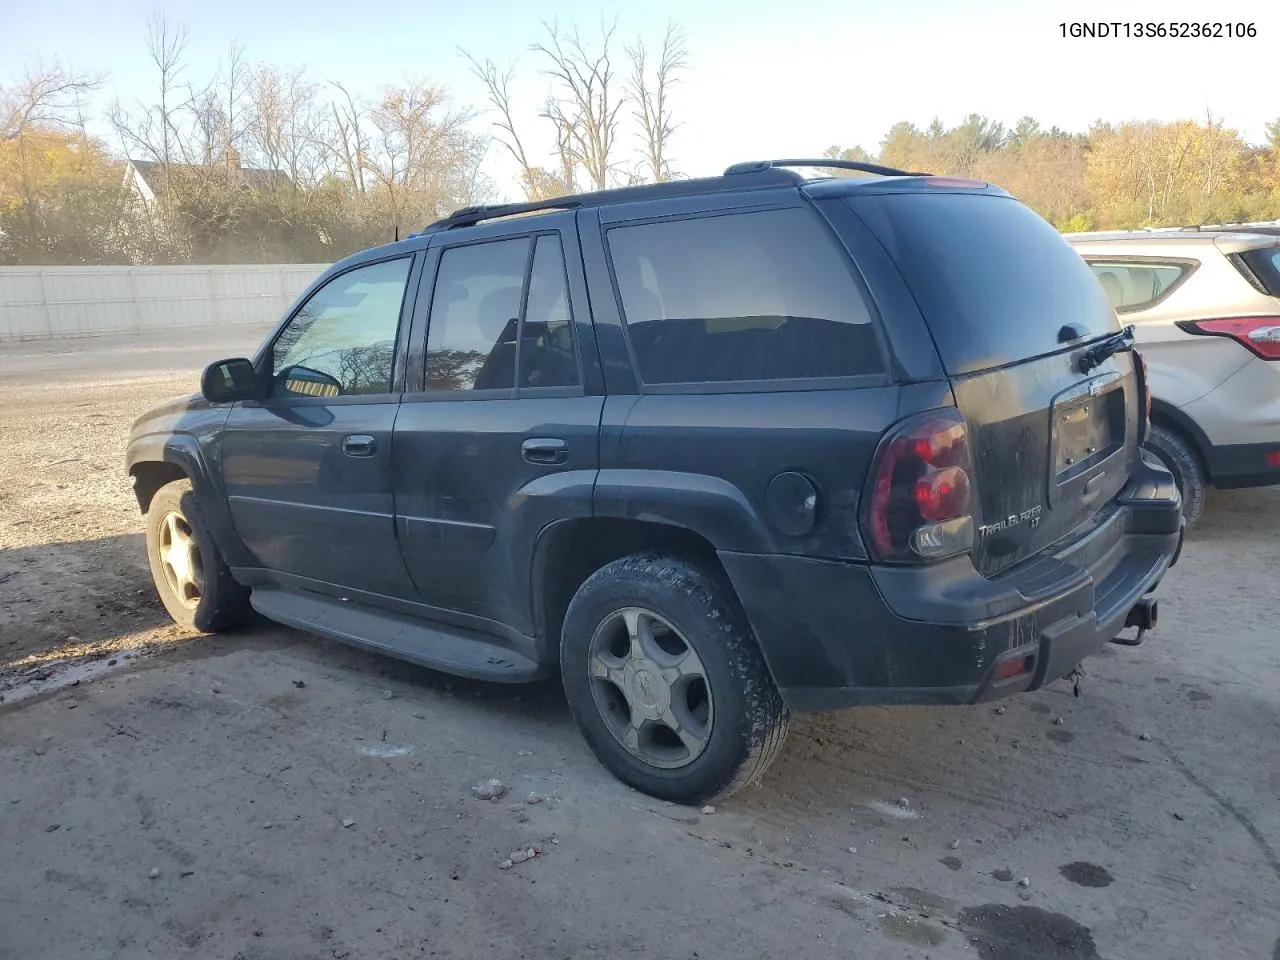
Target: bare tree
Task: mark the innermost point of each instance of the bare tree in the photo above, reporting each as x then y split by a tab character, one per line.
284	126
48	94
650	95
234	102
584	103
418	145
352	146
498	92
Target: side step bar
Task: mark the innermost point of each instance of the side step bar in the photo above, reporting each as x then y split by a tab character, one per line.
449	649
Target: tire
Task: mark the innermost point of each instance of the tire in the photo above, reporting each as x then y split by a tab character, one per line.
1176	454
198	592
659	606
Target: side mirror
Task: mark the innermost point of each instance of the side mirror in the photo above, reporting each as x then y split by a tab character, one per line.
229	380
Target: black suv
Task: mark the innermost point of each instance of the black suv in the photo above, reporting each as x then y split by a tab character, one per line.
715	450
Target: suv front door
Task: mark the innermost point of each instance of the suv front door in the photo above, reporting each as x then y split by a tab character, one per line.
308	470
498	437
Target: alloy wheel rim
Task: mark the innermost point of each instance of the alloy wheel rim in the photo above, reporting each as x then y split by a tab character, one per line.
179	557
650	687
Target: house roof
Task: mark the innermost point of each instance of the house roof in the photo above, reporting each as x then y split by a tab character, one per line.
253	178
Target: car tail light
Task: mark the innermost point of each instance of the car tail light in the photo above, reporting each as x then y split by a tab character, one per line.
919	497
1260	335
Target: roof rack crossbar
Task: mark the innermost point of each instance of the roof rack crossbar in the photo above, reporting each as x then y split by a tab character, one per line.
752	166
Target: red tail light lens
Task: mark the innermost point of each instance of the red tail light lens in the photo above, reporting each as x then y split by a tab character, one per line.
1260	335
943	494
917	506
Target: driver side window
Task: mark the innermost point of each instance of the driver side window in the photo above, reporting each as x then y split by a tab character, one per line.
343	340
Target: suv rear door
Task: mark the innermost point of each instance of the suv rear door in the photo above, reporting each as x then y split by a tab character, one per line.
1011	308
497	431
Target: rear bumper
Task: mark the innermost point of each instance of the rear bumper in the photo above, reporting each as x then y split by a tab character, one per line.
841	634
1239	465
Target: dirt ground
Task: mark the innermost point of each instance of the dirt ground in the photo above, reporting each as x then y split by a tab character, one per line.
272	795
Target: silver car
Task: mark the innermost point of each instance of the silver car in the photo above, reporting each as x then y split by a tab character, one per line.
1205	305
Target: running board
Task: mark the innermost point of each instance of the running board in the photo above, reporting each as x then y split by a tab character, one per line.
463	653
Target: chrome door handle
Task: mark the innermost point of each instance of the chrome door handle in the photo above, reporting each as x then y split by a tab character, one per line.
359	445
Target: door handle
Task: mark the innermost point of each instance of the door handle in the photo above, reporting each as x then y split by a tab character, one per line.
544	450
359	445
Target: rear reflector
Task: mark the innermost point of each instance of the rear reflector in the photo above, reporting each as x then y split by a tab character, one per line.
1259	335
1272	458
1014	668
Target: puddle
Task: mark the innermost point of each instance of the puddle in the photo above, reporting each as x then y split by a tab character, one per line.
1002	932
1060	736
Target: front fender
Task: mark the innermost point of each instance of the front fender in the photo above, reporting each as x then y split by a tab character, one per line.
158	450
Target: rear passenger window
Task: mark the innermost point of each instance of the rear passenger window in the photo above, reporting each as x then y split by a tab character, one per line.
1134	286
471	335
738	297
546	339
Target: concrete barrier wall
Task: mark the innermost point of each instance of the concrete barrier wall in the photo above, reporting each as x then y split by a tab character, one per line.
53	302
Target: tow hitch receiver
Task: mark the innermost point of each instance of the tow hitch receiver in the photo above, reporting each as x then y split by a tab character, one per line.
1143	616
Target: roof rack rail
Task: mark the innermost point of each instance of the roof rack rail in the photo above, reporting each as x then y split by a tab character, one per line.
756	178
470	216
751	166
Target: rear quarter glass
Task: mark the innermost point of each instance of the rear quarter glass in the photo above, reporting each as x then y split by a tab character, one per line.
1264	264
994	280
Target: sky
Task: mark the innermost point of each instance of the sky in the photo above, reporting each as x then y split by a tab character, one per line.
765	79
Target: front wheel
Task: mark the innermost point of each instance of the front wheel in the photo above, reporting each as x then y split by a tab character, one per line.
194	583
666	682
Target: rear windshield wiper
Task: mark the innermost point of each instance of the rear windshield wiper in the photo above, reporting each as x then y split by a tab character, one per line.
1106	347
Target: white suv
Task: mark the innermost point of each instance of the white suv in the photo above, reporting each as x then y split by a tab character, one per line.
1205	305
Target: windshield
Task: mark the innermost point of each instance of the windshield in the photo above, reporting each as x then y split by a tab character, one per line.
995	281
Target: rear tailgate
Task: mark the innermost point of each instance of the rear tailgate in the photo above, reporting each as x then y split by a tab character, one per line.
1010	306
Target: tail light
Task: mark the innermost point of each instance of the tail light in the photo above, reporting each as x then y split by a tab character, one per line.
919	496
1259	335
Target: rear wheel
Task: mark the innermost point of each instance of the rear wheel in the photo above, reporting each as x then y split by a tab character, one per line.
1176	454
194	583
666	682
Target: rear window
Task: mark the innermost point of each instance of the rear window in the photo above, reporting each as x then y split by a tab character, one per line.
1264	264
995	282
760	296
1136	286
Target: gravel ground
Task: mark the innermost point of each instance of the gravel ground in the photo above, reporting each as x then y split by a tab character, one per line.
273	795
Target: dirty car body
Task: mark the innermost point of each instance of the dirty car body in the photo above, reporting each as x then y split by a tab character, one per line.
861	407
